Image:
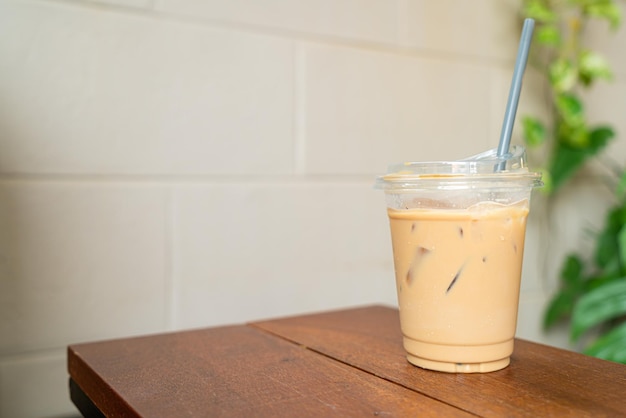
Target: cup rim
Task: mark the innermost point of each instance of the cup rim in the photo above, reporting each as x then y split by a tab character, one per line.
486	169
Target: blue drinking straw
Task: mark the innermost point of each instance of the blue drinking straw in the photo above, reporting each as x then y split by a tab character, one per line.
514	92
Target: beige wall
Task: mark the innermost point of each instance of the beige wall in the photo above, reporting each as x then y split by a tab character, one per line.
167	164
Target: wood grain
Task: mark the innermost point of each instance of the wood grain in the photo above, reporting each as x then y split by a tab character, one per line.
541	380
236	371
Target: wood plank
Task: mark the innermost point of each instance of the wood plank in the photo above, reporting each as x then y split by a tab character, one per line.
233	371
541	380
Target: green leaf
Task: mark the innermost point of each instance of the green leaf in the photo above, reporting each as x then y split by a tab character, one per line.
570	108
592	66
534	131
606	243
562	303
538	11
574	134
548	35
560	307
620	191
599	305
567	159
621	241
606	255
546	177
607	248
599	137
562	75
605	10
610	346
572	270
610	271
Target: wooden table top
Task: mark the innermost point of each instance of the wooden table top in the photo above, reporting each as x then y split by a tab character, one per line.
341	363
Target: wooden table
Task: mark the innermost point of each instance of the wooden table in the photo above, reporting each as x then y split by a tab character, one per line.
342	363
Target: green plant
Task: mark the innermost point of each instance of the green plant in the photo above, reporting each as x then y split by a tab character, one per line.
592	292
568	68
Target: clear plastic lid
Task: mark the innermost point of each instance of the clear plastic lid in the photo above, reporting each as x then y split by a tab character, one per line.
486	169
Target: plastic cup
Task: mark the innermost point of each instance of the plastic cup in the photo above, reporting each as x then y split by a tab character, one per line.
457	231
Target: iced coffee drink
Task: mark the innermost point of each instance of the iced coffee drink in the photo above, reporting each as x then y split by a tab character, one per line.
458	242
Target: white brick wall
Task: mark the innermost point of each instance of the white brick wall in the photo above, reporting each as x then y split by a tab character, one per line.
173	164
